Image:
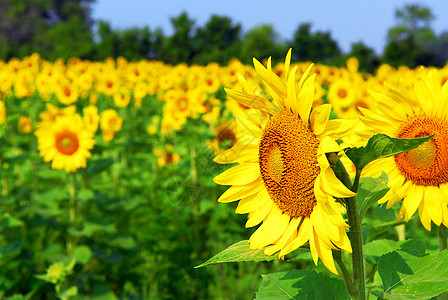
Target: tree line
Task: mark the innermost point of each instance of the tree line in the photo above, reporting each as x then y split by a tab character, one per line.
65	28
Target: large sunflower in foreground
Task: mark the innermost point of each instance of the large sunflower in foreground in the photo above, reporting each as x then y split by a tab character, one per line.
65	142
283	178
420	176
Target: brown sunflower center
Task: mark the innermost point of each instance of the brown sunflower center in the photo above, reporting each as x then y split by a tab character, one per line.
427	164
67	142
288	163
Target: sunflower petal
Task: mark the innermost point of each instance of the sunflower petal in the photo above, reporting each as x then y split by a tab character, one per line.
332	185
252	101
239	175
319	118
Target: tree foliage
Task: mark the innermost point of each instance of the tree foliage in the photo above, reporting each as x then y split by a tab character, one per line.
317	47
65	28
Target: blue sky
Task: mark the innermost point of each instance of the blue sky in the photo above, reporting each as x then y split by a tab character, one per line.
348	21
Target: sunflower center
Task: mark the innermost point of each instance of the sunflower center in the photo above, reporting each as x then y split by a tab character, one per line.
67	142
182	103
342	93
428	163
288	163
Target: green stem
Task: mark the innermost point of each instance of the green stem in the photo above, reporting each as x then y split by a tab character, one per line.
354	221
71	210
351	288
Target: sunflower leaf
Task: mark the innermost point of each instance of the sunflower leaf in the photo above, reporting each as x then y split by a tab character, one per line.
406	276
381	146
300	284
370	191
236	253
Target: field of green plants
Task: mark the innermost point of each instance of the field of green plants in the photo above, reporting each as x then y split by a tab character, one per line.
106	182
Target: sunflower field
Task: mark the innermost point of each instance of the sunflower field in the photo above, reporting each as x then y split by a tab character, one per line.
114	180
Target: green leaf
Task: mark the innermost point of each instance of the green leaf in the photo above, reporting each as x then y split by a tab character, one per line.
374	250
68	293
370	191
381	146
8	221
99	166
405	276
82	254
238	252
301	284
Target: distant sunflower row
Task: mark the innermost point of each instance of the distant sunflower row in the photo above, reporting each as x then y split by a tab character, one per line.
98	92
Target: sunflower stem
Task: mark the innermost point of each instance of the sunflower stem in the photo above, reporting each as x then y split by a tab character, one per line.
354	221
351	288
71	210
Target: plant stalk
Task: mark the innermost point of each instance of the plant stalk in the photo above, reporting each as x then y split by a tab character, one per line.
351	288
354	221
71	211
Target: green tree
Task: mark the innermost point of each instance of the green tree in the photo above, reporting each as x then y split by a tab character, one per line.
368	60
261	42
316	47
180	46
218	41
406	40
45	26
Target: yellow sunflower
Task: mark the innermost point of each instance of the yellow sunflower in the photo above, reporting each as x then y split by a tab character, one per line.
283	178
65	142
418	177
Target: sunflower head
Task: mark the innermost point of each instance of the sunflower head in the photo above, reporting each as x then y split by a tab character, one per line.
66	142
283	178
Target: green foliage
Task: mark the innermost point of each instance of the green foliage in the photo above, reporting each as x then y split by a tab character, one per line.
238	252
381	146
301	284
370	191
261	42
315	47
406	276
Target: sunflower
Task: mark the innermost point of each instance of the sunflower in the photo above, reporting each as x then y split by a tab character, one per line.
418	177
65	142
283	178
25	124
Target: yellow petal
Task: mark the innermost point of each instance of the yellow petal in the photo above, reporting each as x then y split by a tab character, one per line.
327	258
300	239
327	145
434	198
239	175
237	192
238	153
289	233
290	101
332	185
248	204
287	62
338	128
412	200
305	100
270	79
313	242
252	101
270	231
319	118
266	204
425	218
